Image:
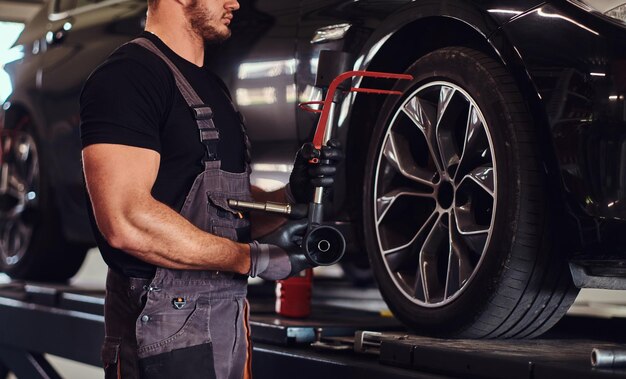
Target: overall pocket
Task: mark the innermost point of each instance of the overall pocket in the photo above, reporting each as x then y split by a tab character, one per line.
225	221
163	328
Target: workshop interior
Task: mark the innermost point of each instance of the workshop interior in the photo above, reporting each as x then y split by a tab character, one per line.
476	227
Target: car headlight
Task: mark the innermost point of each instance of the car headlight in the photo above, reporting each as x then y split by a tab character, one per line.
615	9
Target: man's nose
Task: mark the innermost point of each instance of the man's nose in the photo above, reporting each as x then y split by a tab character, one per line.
232	5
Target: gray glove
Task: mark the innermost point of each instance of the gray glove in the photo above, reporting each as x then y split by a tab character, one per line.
278	255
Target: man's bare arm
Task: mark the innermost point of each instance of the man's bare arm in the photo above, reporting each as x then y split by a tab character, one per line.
119	180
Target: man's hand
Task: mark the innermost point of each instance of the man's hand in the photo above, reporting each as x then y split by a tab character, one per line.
305	176
279	255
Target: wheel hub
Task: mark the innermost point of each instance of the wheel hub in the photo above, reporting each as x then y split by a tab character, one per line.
445	194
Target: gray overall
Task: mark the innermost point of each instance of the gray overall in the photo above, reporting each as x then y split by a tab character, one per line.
186	324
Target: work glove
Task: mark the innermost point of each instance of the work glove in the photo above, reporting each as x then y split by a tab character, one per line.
305	176
279	255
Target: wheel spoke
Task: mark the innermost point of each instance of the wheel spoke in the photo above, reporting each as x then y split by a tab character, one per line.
418	239
398	154
475	146
445	97
483	176
451	126
415	110
386	201
405	259
460	263
428	262
466	221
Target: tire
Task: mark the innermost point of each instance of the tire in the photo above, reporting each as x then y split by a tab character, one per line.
456	218
32	246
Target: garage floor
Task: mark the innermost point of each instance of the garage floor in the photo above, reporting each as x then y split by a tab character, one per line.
597	303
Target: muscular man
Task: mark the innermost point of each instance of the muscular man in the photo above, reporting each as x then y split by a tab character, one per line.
163	150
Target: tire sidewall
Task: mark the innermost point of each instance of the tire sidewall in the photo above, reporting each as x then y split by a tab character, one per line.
457	67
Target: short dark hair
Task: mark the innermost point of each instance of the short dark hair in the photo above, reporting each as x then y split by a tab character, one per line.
152	3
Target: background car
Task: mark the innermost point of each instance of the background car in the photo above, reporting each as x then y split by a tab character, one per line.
484	196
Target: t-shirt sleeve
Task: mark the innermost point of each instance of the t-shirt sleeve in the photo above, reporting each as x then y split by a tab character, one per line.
123	102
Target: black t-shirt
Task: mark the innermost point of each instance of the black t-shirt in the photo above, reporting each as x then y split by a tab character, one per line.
132	99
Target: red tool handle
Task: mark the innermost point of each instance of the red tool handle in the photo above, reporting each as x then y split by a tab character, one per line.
318	138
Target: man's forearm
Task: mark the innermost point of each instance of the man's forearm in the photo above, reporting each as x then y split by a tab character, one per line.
154	233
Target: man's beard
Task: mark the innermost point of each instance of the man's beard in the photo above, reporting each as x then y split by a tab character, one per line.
201	21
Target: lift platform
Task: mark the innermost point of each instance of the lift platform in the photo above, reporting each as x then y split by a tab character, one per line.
334	342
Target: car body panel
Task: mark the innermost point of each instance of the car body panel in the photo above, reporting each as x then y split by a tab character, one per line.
579	77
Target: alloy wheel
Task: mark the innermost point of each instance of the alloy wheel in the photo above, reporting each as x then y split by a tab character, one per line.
19	186
435	193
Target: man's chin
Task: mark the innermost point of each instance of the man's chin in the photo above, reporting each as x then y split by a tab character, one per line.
215	37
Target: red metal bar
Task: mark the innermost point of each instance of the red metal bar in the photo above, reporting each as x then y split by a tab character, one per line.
375	91
306	106
322	123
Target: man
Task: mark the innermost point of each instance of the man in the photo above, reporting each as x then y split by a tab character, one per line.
163	151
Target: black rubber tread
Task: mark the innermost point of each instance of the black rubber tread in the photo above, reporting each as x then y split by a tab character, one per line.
548	292
532	289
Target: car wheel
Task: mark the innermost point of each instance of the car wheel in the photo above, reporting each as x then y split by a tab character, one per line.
455	213
31	241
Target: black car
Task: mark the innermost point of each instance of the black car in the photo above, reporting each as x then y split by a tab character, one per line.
484	195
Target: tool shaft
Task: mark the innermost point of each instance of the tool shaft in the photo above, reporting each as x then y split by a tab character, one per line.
319	191
260	206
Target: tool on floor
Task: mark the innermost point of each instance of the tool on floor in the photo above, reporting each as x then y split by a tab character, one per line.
608	358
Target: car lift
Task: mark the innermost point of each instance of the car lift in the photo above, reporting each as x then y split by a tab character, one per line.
335	342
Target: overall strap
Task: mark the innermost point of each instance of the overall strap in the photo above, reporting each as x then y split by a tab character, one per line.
209	135
246	139
242	121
